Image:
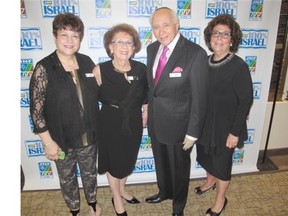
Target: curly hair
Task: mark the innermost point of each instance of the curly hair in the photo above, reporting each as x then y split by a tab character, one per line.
68	21
123	27
228	20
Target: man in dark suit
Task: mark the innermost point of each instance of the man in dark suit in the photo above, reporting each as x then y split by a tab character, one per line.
176	106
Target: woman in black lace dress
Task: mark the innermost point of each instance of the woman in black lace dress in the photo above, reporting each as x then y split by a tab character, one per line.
230	99
64	110
122	92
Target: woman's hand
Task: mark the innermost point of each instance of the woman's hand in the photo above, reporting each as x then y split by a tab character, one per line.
232	141
145	115
51	150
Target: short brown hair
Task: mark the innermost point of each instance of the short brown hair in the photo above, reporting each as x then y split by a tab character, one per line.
123	27
68	21
228	20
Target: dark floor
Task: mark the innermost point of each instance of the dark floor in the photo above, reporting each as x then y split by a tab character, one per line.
262	193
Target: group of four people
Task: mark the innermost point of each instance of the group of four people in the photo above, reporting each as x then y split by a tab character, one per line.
197	99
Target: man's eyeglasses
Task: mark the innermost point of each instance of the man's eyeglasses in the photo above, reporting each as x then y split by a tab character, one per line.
224	35
123	43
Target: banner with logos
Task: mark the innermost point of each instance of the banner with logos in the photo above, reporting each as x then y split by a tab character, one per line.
257	49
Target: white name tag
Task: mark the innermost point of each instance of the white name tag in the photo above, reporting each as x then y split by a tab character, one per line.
171	75
130	78
89	74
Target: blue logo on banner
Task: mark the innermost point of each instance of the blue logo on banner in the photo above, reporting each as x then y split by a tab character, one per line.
238	157
192	34
95	37
142	8
145	143
251	135
252	38
141	59
34	148
51	8
45	170
217	7
256	10
31	123
251	63
103	8
145	34
257	90
30	39
144	165
26	67
184	9
24	100
103	59
197	165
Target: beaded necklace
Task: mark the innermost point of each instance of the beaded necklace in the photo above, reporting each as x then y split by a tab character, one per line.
225	60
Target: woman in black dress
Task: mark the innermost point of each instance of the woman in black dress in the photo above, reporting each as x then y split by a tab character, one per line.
122	92
230	99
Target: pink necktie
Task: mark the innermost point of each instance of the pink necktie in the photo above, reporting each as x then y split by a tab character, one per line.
161	64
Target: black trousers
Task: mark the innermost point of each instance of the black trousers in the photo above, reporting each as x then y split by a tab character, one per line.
172	166
85	157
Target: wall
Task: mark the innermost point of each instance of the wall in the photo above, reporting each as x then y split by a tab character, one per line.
279	130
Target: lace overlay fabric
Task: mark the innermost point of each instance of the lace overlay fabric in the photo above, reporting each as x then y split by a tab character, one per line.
37	97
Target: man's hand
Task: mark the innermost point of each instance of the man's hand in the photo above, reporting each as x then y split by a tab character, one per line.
188	143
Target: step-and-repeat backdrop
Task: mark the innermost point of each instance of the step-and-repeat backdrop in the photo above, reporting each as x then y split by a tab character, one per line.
258	20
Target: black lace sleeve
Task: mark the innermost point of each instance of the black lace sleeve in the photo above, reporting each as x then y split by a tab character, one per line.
37	94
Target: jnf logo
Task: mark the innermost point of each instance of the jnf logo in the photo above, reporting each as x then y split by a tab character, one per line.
256	10
145	35
30	39
103	8
238	157
26	68
184	9
251	63
45	170
145	143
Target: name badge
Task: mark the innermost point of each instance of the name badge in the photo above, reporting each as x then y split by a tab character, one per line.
172	75
130	78
89	74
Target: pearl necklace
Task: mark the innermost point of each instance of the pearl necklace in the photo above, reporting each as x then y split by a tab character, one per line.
220	63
